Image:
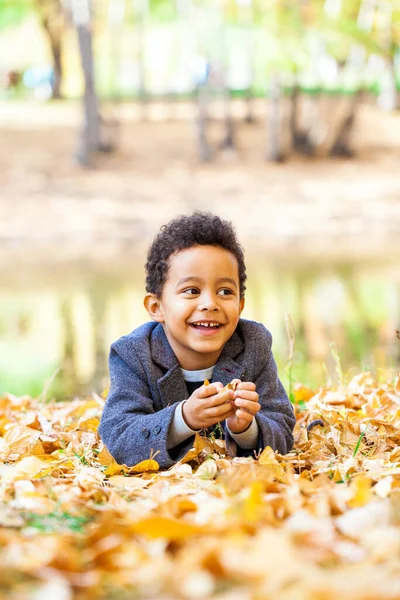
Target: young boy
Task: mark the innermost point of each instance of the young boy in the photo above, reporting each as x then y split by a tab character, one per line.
158	399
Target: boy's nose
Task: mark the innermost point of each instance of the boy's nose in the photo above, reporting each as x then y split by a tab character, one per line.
208	303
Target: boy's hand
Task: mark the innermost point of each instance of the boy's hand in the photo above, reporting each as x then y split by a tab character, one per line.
246	406
208	405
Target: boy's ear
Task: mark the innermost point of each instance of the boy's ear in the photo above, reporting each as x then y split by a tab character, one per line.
153	306
241	305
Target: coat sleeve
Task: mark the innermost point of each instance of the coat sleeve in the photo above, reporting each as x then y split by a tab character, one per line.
130	427
276	418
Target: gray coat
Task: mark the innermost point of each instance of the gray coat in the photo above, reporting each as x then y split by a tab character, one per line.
147	385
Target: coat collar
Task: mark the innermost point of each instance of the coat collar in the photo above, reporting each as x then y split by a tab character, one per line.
226	368
161	351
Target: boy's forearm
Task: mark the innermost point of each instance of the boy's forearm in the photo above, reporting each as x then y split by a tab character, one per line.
247	439
178	430
134	437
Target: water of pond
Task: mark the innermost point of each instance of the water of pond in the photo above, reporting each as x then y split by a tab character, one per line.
55	330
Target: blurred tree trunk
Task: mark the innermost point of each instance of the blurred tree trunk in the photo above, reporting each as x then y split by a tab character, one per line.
56	87
356	61
90	136
275	146
341	145
68	362
142	9
397	90
249	118
53	20
98	297
203	146
245	10
301	139
228	140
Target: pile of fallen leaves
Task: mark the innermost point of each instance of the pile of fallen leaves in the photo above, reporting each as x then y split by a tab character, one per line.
322	522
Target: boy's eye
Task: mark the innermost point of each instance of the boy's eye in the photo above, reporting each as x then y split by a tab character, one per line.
191	291
225	292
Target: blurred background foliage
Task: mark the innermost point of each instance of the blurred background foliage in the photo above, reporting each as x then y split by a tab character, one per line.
296	53
300	71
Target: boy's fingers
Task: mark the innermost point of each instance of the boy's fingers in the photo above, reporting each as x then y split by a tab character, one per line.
215	398
246	385
210	390
246	395
244	415
248	406
222	411
223	397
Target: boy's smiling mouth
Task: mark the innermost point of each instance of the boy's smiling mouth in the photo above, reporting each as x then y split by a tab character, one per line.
207	327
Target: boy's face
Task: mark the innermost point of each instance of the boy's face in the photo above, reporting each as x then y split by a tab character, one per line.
200	304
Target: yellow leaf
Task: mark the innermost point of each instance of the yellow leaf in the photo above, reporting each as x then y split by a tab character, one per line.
200	443
267	457
80	409
104	457
302	393
163	527
144	466
361	488
178	506
89	424
375	402
115	469
254	502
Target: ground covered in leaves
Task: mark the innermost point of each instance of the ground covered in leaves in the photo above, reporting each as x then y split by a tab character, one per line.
319	523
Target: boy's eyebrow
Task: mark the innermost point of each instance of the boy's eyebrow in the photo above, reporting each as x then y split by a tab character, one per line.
199	279
189	278
232	281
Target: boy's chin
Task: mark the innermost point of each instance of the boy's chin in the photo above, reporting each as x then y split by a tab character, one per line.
207	348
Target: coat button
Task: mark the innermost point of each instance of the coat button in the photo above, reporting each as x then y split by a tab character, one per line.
157	429
146	432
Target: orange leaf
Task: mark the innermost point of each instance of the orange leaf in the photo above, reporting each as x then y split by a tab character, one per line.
144	466
163	527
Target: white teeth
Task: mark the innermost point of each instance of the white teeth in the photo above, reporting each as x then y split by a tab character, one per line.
207	324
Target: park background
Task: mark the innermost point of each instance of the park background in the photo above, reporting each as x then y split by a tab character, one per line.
282	117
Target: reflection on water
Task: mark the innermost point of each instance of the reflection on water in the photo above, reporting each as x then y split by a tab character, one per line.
65	330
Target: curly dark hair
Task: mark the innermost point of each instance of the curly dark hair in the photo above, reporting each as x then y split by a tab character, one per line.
186	231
